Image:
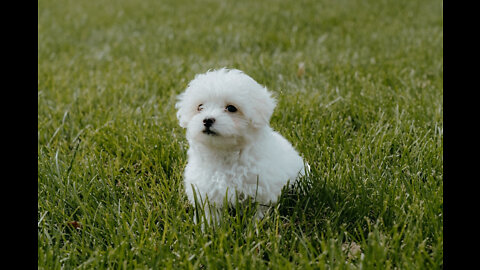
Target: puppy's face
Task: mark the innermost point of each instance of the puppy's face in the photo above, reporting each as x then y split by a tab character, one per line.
224	108
218	123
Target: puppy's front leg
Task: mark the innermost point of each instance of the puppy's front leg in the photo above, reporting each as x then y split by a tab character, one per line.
260	211
209	215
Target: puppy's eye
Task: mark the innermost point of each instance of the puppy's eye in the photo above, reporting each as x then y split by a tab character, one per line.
200	107
231	108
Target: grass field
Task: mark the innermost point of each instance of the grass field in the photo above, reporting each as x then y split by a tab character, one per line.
366	113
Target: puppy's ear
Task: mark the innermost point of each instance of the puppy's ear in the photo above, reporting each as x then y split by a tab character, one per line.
184	112
263	105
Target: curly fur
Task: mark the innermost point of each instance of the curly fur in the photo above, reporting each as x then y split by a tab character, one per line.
240	152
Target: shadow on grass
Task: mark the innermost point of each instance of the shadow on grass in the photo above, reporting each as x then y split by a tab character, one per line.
315	206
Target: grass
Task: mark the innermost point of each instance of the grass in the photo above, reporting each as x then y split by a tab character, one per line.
367	114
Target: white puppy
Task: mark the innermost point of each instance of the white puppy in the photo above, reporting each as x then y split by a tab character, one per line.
233	150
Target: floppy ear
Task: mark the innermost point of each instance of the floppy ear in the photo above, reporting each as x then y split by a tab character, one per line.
184	112
262	108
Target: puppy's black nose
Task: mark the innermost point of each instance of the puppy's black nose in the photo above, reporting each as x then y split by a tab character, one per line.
208	122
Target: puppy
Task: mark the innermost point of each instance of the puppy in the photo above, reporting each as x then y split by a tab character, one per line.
233	152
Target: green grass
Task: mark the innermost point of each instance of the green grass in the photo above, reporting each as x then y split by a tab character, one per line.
367	115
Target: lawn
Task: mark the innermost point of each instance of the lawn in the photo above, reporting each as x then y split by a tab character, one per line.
359	86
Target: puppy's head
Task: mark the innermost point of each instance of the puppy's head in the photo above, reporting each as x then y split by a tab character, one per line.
224	108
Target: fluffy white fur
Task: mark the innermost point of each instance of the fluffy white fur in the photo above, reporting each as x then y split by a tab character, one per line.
239	149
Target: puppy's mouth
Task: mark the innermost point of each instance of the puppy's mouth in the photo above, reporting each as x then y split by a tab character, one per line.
208	131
